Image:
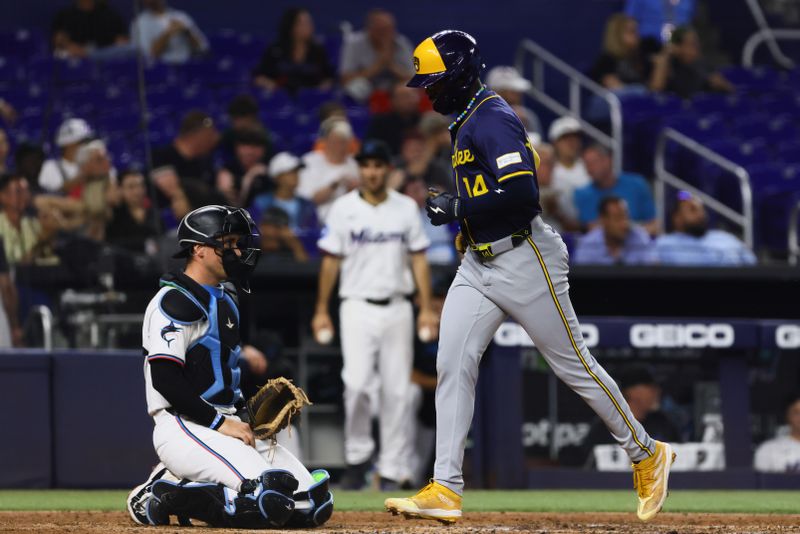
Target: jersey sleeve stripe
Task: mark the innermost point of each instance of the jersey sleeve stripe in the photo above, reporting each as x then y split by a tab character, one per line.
513	174
169	357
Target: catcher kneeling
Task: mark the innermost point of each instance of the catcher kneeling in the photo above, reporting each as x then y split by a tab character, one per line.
220	461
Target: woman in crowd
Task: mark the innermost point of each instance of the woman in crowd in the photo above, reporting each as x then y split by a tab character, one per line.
296	60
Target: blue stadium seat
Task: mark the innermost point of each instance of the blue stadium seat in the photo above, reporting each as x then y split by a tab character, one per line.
24	43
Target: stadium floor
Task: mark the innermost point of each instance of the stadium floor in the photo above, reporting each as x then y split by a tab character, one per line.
687	512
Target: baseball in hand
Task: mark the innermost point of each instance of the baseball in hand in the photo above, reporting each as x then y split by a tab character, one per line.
425	334
324	336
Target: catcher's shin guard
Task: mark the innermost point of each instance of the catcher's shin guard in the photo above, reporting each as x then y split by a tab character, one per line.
314	506
203	501
275	500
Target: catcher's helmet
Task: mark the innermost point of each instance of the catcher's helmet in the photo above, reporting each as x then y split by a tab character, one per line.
451	57
207	225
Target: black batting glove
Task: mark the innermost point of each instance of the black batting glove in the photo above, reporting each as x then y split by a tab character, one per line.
441	208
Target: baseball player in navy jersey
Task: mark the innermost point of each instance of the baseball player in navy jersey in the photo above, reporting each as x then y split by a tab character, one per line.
514	265
212	468
375	237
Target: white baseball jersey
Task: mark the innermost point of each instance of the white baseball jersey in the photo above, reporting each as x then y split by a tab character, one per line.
374	242
779	455
163	338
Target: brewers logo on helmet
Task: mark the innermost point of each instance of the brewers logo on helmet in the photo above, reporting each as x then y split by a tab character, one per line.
452	59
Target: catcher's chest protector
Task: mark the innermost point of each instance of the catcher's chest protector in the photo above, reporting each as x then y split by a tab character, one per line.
212	360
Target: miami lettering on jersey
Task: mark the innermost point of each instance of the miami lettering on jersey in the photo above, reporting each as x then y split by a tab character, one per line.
366	235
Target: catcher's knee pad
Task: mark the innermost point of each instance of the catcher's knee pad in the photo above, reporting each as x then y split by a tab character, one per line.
276	501
314	506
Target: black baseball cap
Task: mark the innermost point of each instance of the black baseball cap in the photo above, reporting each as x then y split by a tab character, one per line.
374	149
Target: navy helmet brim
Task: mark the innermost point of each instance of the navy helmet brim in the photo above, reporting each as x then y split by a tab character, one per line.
421	81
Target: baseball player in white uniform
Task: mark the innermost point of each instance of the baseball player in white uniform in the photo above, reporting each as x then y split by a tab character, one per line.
212	468
375	237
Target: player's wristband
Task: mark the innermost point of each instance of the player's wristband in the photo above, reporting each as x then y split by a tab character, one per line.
217	423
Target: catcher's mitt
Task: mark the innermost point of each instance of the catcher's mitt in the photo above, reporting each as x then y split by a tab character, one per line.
271	409
460	243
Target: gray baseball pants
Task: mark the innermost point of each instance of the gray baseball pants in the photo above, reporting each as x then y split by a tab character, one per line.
528	283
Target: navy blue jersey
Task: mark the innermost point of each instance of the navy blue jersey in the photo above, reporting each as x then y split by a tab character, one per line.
491	148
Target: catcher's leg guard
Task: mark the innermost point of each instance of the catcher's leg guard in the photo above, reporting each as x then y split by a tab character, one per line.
315	506
204	501
275	500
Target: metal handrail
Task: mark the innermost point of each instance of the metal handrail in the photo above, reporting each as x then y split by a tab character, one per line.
794	235
769	36
577	81
46	317
664	178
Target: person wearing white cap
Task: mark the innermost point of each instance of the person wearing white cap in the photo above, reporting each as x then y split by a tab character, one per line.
284	169
507	82
569	172
58	174
331	172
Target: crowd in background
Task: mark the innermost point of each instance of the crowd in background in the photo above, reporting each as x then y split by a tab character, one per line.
606	218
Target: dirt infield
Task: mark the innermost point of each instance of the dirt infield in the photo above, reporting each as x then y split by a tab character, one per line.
367	522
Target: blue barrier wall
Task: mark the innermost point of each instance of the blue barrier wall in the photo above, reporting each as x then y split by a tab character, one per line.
25	447
99	435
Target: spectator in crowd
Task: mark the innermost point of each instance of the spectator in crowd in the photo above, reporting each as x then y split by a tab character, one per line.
569	172
433	127
377	58
296	60
331	172
94	188
616	240
86	28
58	175
632	188
418	162
188	157
243	114
335	109
284	169
10	330
278	241
657	18
507	82
557	207
166	34
7	112
4	148
28	161
689	73
693	243
133	223
627	65
782	454
394	126
441	250
245	176
643	394
20	232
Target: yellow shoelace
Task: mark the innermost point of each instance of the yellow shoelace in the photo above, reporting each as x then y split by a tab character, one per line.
643	477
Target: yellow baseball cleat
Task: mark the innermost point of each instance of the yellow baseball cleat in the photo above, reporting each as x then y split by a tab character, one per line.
650	477
434	502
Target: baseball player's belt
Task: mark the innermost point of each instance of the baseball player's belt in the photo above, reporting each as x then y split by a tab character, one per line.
489	250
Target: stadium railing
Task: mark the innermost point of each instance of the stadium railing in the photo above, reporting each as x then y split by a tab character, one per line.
536	57
768	35
794	235
663	177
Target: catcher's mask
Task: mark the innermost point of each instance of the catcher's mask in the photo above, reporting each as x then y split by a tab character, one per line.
450	59
207	226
